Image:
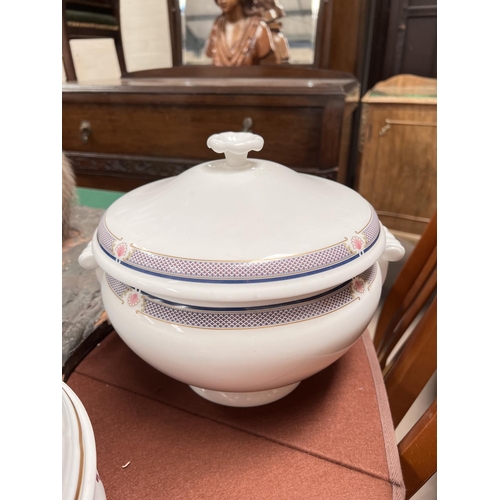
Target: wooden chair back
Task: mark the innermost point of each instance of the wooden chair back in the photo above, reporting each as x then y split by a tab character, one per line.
409	318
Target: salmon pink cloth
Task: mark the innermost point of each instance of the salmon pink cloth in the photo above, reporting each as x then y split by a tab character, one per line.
331	438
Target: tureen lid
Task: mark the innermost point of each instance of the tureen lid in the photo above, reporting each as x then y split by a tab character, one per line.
238	221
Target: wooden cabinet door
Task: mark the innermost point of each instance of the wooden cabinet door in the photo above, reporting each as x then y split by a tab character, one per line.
398	165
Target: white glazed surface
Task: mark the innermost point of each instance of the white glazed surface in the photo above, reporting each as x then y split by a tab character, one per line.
244	360
279	233
215	294
247	294
213	212
77	429
393	252
245	399
99	493
70	448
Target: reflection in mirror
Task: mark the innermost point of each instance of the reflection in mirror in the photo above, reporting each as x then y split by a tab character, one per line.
145	34
229	33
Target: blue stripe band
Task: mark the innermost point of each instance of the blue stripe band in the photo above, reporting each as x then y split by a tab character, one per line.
236	281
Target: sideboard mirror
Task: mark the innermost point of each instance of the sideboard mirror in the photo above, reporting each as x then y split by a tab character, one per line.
291	25
160	37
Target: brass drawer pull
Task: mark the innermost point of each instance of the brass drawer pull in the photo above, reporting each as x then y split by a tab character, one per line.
247	124
388	124
85	131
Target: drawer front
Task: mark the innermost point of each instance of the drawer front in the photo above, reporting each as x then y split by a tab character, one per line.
292	135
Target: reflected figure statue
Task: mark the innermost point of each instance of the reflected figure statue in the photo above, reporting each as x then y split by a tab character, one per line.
239	36
270	12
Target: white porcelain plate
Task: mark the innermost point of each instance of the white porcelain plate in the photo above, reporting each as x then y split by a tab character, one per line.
80	479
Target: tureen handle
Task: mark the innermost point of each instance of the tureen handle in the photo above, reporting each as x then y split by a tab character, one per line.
86	259
235	146
393	252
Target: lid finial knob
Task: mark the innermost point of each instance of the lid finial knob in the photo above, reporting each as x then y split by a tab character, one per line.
235	146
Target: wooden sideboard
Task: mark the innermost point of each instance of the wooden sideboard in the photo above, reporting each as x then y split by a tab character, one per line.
120	135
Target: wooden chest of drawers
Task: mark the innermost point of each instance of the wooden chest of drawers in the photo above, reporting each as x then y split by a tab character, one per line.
122	134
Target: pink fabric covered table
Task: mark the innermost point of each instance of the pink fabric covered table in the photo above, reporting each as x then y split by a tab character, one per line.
331	438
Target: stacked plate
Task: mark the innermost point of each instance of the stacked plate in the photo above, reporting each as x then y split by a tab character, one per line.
80	479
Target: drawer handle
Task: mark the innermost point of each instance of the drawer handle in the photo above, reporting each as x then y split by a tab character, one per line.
85	131
247	124
388	124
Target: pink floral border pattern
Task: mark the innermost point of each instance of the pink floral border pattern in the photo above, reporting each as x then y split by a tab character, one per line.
242	318
233	270
119	288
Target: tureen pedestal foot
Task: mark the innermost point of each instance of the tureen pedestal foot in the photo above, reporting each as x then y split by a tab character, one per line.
245	399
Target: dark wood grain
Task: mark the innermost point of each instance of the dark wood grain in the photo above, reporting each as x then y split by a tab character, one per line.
170	119
202	98
126	172
408	324
182	132
377	47
411	39
174	19
347	37
404	282
153	166
81	32
69	66
404	40
331	129
123	172
418	451
289	71
406	375
117	37
346	139
419	293
324	34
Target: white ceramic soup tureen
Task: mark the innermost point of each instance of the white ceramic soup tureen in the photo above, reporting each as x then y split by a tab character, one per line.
241	277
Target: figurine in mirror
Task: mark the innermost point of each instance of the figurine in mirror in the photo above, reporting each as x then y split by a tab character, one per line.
271	11
242	36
